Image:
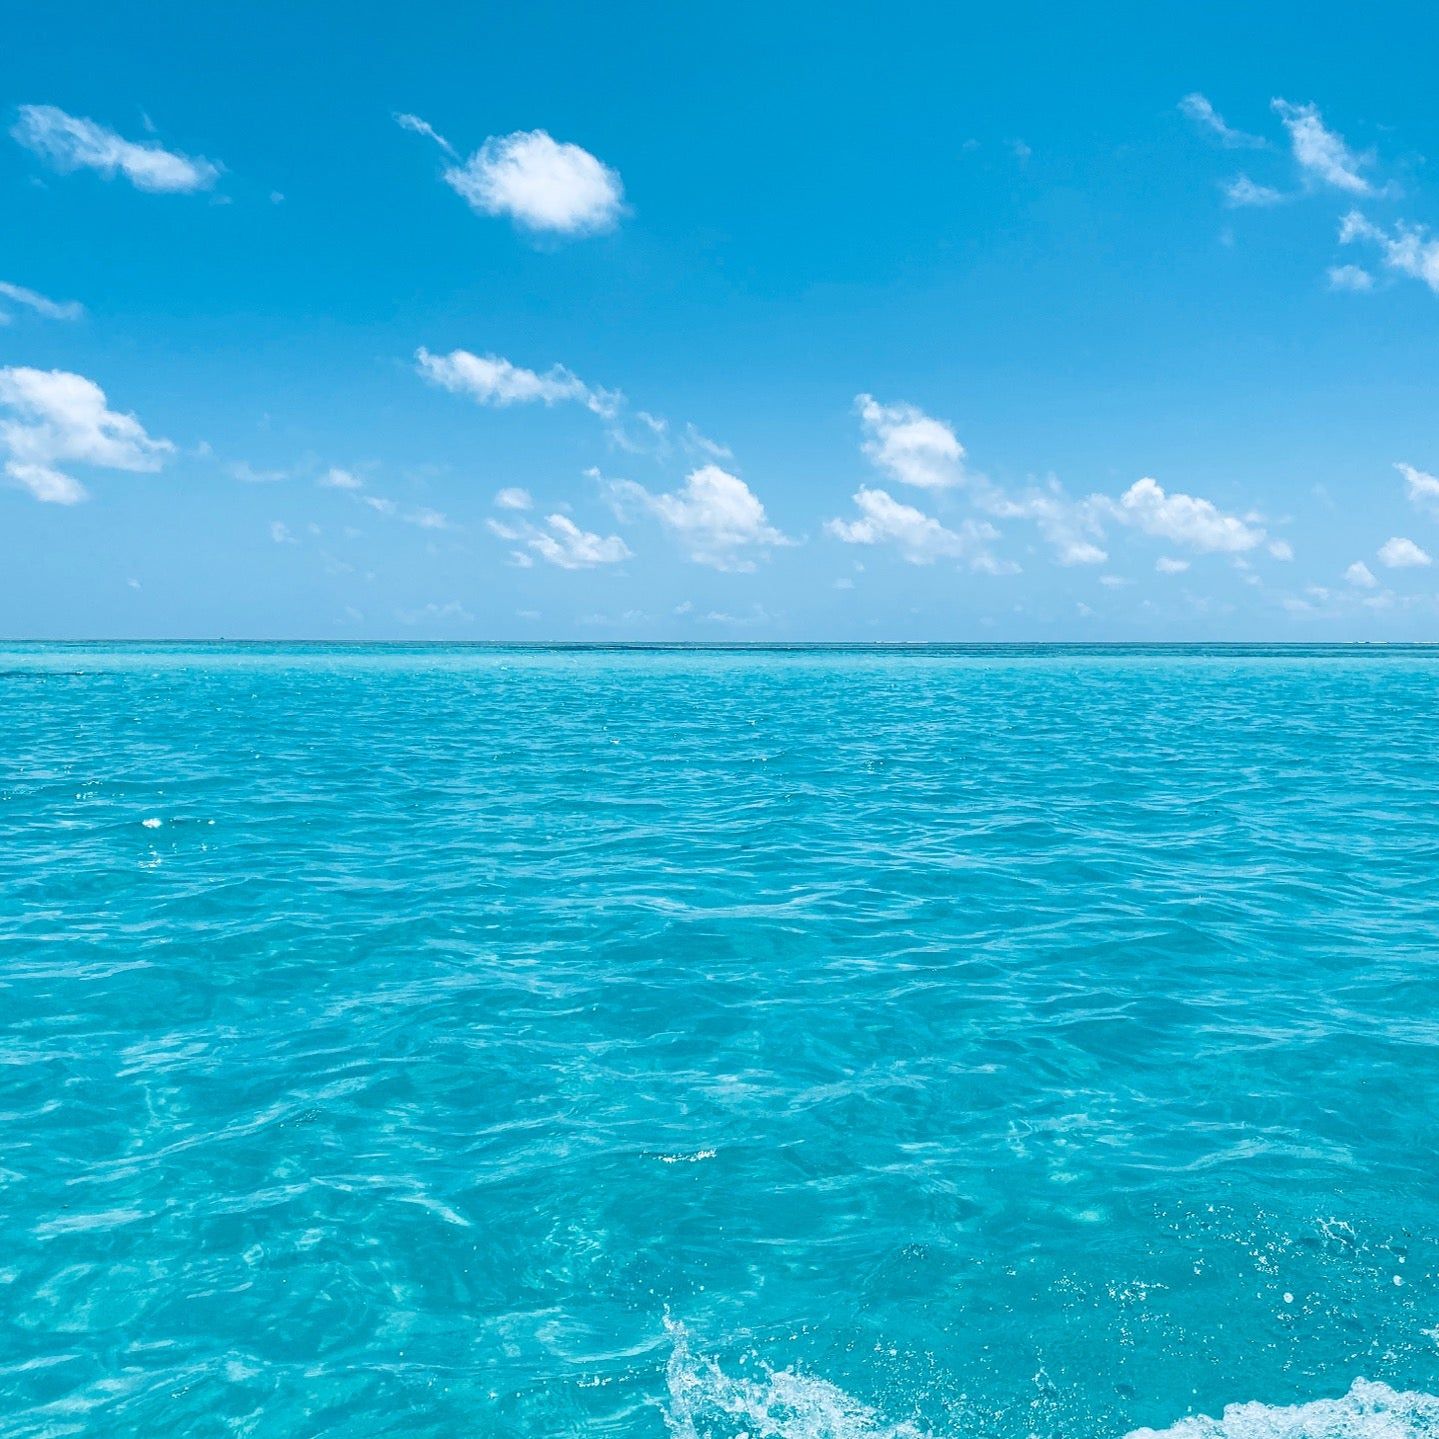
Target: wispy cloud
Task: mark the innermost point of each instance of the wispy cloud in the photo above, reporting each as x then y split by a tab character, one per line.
1321	154
493	380
1242	191
451	612
1197	108
1421	487
1353	278
1071	527
417	126
34	300
1407	249
68	142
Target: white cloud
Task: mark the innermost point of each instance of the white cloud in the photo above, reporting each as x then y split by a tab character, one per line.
540	183
1242	191
572	548
698	443
417	126
1281	549
1197	108
58	417
419	516
910	446
1407	250
1168	565
715	515
338	479
34	300
452	610
1399	553
514	498
280	533
1071	527
1185	519
492	380
70	143
1421	487
1354	278
247	474
920	538
49	486
1321	153
1360	574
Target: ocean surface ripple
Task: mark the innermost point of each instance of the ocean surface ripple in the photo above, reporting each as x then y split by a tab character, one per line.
809	1043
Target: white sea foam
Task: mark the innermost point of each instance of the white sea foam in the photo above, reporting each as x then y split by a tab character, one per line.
707	1403
1367	1411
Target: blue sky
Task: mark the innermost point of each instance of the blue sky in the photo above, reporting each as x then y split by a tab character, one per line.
719	323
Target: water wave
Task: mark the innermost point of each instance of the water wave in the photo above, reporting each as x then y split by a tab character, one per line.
707	1403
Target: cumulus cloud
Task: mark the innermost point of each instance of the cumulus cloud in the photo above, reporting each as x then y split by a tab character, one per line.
919	538
1399	553
492	380
1320	153
563	544
57	418
1422	488
1361	575
514	498
1168	565
539	182
69	143
34	300
910	446
1184	519
715	516
1197	108
1407	249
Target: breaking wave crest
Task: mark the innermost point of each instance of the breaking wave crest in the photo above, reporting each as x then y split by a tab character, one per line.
1367	1411
706	1403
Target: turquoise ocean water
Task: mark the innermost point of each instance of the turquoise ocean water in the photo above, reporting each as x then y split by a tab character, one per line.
463	1041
